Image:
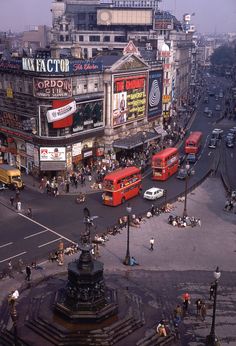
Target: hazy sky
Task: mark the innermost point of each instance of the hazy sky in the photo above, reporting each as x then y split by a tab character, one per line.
210	15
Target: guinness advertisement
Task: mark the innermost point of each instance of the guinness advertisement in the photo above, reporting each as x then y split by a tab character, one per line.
49	88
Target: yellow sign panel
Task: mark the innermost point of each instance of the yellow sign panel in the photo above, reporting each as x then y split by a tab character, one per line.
166	98
10	92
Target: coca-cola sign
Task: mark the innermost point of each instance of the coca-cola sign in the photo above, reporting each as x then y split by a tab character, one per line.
52	87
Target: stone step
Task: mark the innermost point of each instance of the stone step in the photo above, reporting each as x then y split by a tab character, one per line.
153	339
4	312
7	339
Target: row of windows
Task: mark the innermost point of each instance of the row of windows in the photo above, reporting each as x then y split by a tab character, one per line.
96	38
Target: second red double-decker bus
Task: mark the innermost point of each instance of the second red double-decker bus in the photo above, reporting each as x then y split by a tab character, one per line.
121	185
193	143
165	163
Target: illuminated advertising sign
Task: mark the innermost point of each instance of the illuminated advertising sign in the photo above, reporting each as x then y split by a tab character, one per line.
52	87
59	66
129	99
155	94
52	154
88	115
61	113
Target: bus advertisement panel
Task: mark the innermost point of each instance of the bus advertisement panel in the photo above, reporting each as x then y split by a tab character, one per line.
193	142
165	163
121	185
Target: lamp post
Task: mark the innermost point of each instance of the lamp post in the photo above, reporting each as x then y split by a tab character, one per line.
189	172
211	339
127	256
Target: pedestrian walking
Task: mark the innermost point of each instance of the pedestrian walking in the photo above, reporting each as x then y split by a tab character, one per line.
178	313
29	212
12	200
186	302
17	198
151	244
203	311
28	273
10	269
198	304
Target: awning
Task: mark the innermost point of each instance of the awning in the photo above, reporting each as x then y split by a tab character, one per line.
160	131
134	141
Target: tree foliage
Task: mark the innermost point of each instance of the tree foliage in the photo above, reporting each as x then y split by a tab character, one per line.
224	55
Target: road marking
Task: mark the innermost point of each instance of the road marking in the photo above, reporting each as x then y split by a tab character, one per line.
9	258
32	235
232	155
5	245
48	229
49	242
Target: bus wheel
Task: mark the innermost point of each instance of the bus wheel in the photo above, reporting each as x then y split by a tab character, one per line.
123	200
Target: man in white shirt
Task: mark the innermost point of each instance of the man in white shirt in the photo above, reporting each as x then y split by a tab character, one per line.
151	244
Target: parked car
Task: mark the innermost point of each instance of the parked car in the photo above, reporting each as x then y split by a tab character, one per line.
191	158
182	174
213	143
153	193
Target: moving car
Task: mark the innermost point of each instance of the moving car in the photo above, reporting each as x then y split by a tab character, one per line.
212	144
218	107
191	158
153	193
217	133
206	109
229	144
182	174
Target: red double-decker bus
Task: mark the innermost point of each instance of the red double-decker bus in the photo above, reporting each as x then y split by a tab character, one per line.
165	163
121	185
193	143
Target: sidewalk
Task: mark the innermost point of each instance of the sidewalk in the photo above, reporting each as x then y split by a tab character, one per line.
182	260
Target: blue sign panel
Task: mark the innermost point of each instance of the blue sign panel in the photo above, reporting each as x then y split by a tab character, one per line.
155	89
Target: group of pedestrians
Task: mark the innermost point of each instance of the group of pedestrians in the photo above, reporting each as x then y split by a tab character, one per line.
179	221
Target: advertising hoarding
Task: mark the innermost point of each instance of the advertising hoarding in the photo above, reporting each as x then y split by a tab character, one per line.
52	153
52	87
61	113
129	99
89	115
155	88
121	16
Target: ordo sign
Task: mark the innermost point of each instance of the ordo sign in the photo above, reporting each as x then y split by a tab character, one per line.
52	87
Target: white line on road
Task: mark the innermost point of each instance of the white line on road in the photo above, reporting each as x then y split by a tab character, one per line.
9	258
232	155
32	235
48	229
49	242
5	245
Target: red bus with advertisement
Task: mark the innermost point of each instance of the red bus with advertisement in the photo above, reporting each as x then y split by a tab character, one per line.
121	185
193	143
165	163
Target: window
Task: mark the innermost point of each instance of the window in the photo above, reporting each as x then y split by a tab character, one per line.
106	39
81	38
95	85
120	39
94	38
85	86
81	16
61	38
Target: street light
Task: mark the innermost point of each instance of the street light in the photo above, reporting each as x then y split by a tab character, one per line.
211	339
189	172
127	257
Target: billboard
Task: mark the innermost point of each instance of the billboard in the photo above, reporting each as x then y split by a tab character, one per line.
61	113
129	99
88	115
50	88
121	16
155	88
52	154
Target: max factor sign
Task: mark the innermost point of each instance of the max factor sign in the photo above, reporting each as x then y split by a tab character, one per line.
61	113
46	65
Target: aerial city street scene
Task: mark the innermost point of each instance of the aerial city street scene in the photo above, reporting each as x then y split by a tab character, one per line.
117	172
